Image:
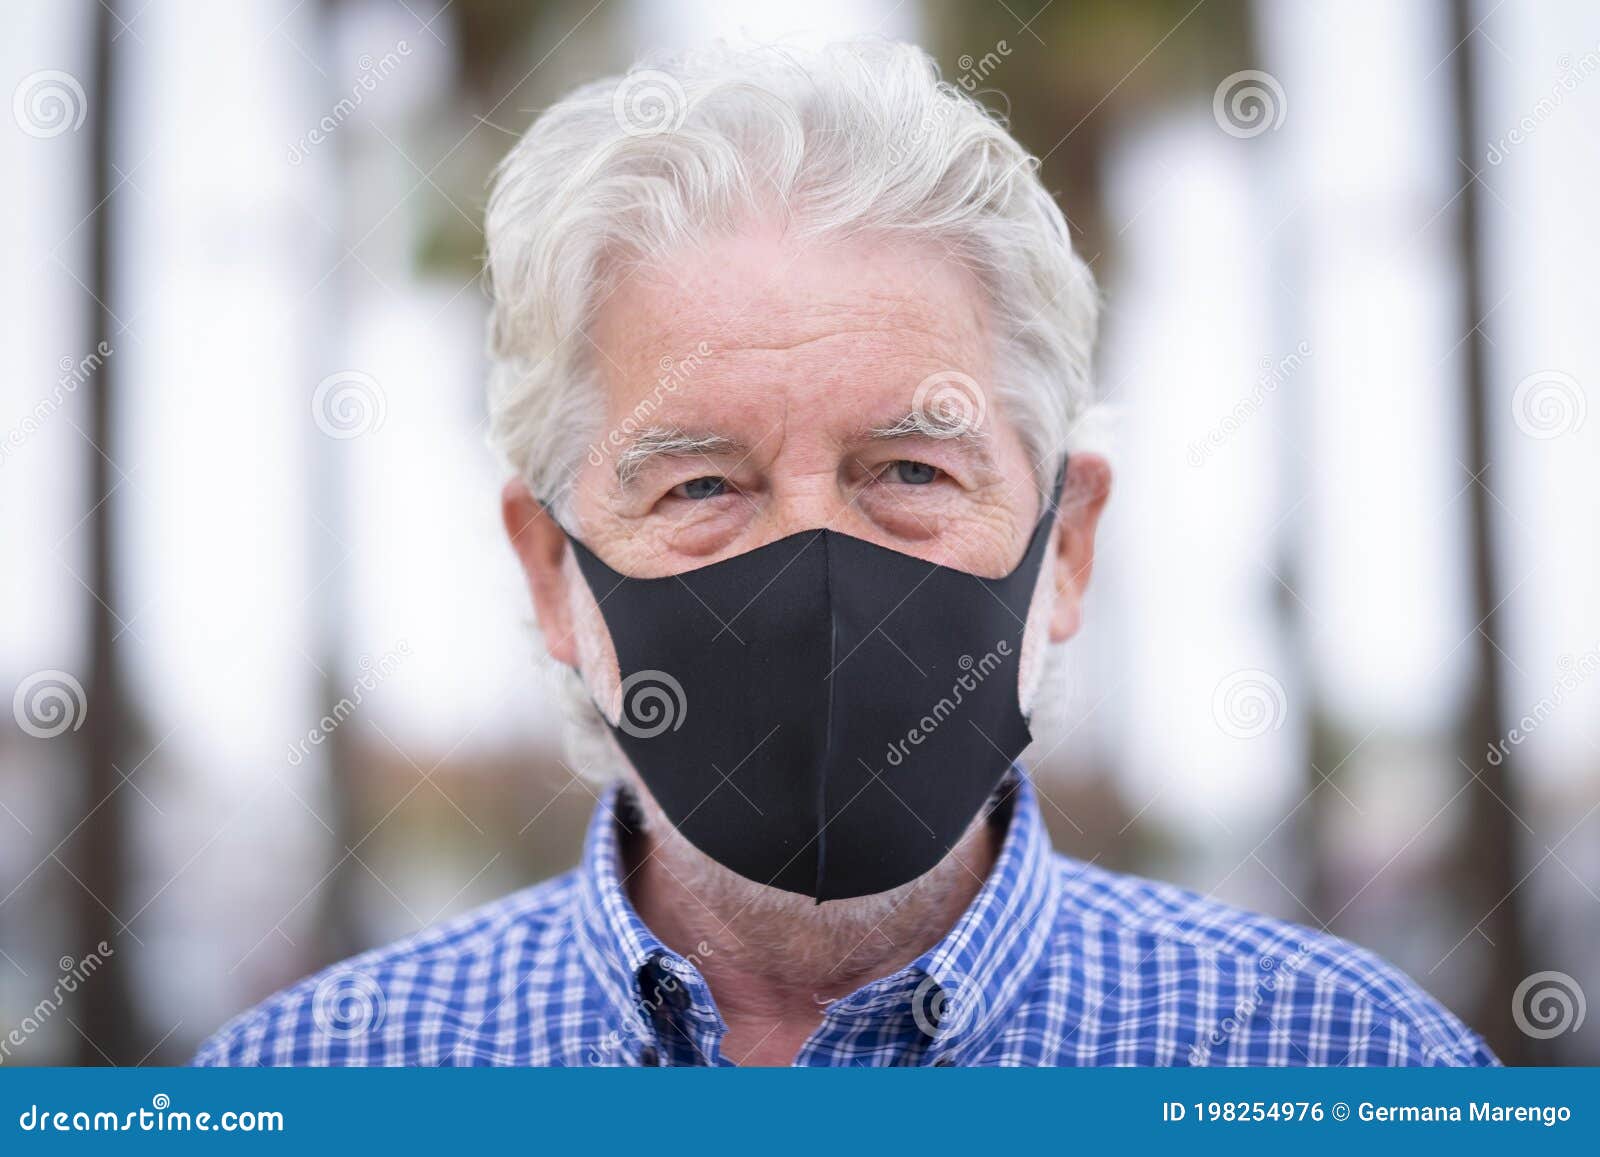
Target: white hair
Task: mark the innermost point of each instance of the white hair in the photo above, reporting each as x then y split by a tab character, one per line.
860	138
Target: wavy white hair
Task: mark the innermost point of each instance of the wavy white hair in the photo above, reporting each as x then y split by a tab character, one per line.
857	139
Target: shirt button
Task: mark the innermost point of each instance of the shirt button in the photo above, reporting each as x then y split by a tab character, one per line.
661	986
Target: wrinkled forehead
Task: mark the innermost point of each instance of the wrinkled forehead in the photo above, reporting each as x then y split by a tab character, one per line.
744	329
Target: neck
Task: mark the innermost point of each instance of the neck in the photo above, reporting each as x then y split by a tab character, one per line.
777	958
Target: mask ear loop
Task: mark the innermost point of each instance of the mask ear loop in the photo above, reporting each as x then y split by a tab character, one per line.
1052	510
1052	501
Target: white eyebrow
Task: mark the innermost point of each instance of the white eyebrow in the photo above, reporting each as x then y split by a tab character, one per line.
972	442
929	424
668	442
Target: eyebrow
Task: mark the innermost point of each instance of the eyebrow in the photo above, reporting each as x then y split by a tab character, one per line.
971	441
660	442
666	442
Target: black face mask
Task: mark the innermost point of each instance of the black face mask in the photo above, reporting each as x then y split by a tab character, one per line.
820	714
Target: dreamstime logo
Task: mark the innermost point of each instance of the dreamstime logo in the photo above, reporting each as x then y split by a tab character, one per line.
1273	972
1566	84
674	373
951	402
649	102
1573	672
1548	1004
1548	404
372	71
974	672
1249	703
1272	376
637	1021
950	1008
652	702
349	404
373	672
49	103
74	373
1249	103
49	703
974	72
347	1003
155	1119
74	974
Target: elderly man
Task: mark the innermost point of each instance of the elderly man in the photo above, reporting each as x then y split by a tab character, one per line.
789	351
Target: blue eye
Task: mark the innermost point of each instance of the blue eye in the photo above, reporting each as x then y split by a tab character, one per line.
699	488
914	473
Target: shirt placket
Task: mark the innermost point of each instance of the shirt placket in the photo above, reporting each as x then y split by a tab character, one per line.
688	1030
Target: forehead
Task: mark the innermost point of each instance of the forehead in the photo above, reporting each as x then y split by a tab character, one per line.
743	327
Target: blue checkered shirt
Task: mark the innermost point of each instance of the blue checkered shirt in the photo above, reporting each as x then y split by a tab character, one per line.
1056	962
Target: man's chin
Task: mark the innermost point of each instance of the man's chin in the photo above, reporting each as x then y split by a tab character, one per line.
766	923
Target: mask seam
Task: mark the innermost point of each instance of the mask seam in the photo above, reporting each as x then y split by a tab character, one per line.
827	739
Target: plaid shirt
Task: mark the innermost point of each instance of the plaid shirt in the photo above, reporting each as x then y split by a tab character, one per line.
1055	962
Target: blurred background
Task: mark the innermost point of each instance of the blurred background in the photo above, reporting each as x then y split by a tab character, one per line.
273	692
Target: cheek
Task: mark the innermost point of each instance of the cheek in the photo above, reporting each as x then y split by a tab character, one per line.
597	656
1036	634
983	537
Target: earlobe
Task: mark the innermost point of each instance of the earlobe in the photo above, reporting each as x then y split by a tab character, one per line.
541	548
1067	616
1083	497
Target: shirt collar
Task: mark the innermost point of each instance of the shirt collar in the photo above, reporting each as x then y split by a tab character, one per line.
636	972
958	995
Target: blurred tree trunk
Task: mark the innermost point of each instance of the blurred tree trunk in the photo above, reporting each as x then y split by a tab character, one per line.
1313	860
337	931
1126	60
1488	845
98	848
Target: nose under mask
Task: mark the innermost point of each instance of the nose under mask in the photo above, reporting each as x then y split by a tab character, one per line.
821	714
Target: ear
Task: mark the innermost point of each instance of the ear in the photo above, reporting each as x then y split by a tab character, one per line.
541	546
1083	496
